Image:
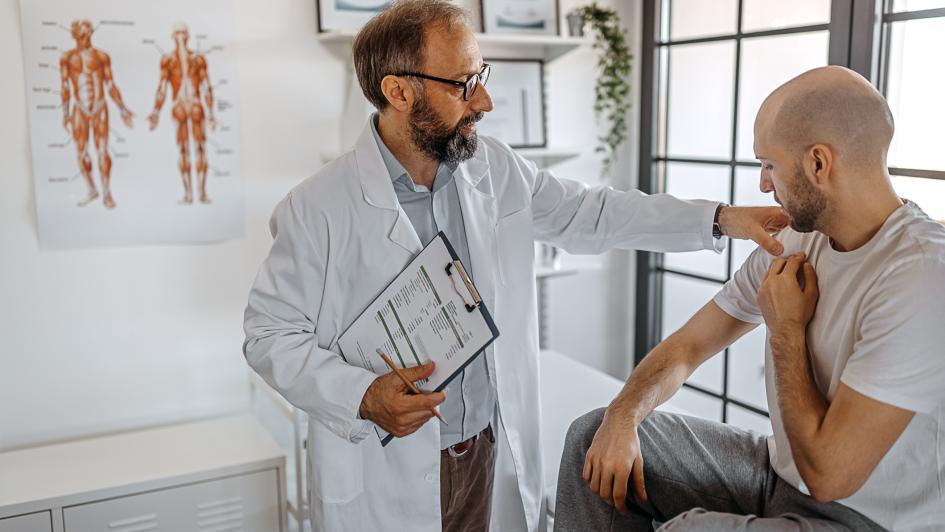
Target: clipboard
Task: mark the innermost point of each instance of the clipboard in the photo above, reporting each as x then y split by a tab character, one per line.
430	311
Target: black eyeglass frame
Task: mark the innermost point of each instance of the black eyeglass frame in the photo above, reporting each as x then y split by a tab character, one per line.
469	86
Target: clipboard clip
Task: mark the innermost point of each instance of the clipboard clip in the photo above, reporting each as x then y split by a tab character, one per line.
469	286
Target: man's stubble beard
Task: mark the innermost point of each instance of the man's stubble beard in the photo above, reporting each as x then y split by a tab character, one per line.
808	204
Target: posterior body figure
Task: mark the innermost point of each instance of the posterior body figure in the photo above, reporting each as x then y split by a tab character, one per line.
86	75
192	96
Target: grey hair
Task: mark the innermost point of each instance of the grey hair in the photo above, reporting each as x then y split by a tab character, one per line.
393	41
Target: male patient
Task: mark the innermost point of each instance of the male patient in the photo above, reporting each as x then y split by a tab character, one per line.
854	358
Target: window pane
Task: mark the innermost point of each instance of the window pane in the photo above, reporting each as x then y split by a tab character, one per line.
929	194
767	62
698	181
746	369
747	192
761	15
914	91
915	5
701	18
701	91
697	404
748	420
682	297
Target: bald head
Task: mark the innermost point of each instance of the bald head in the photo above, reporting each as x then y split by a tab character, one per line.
833	106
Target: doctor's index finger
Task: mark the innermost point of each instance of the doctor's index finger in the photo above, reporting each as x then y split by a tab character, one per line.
424	401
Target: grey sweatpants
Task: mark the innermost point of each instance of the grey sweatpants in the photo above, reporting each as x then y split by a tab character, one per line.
700	476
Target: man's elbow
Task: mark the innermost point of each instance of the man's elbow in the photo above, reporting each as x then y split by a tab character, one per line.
831	485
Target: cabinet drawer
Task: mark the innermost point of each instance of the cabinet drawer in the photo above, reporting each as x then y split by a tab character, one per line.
38	522
246	502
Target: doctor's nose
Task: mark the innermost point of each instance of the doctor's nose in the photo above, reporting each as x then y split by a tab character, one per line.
482	100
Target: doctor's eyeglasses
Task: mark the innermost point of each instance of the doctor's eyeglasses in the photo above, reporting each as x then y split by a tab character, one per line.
469	86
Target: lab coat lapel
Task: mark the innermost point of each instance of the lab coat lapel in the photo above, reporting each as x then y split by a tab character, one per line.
479	216
378	190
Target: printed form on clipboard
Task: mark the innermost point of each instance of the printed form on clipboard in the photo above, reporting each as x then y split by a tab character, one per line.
431	311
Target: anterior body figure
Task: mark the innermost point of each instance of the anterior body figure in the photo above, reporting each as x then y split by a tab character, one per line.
86	74
186	72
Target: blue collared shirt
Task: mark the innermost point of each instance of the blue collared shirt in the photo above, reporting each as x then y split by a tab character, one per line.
430	211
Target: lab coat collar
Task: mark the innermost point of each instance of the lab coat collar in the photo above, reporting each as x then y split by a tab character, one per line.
376	185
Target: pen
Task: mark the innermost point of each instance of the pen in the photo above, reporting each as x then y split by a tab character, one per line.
409	384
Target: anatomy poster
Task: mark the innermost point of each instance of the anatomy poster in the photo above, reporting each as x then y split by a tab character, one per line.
134	123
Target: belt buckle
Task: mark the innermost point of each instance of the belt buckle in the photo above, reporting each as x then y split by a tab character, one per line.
452	451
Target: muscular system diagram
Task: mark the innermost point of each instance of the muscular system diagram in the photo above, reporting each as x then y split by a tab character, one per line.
185	73
86	74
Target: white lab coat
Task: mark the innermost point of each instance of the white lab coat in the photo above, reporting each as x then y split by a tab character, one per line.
340	237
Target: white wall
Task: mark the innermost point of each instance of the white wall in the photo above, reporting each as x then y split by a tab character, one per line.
592	315
101	340
108	339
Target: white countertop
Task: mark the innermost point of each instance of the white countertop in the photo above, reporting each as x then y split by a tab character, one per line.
51	476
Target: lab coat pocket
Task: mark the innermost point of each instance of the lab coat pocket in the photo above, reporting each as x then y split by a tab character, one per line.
338	467
516	249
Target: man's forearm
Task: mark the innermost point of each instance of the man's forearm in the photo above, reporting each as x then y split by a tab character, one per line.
659	376
803	407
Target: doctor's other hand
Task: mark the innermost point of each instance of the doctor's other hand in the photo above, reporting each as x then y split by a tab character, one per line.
614	462
389	403
755	223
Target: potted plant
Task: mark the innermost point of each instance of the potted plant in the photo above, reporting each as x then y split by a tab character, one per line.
612	91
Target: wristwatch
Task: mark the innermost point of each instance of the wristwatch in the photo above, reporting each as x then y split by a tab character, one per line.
716	228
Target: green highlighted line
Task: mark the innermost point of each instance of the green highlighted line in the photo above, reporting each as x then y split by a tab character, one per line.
423	270
391	338
448	320
404	332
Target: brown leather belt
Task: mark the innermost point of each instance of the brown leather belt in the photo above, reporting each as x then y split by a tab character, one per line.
464	446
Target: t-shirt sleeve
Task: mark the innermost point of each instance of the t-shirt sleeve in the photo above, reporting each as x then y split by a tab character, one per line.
899	353
739	296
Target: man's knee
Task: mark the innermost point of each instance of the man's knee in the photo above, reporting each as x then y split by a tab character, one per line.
582	430
701	520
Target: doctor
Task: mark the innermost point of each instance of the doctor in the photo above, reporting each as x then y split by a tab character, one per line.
342	235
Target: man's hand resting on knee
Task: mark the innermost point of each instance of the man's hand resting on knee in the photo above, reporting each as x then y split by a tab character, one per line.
614	459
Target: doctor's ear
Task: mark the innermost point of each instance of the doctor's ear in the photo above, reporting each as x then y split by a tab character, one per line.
397	91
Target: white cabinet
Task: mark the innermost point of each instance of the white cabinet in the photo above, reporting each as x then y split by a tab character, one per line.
220	475
245	502
37	522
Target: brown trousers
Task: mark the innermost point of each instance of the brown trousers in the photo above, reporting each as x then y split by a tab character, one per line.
466	486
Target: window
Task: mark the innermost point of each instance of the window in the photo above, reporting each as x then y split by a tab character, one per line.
913	74
707	65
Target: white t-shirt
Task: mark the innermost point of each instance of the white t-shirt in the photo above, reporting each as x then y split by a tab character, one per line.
879	328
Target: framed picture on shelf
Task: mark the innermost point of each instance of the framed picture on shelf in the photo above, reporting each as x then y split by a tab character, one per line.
530	17
517	90
347	16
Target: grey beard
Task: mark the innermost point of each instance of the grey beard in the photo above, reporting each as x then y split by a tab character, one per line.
437	140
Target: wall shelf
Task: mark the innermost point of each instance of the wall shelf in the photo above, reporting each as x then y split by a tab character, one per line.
494	46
